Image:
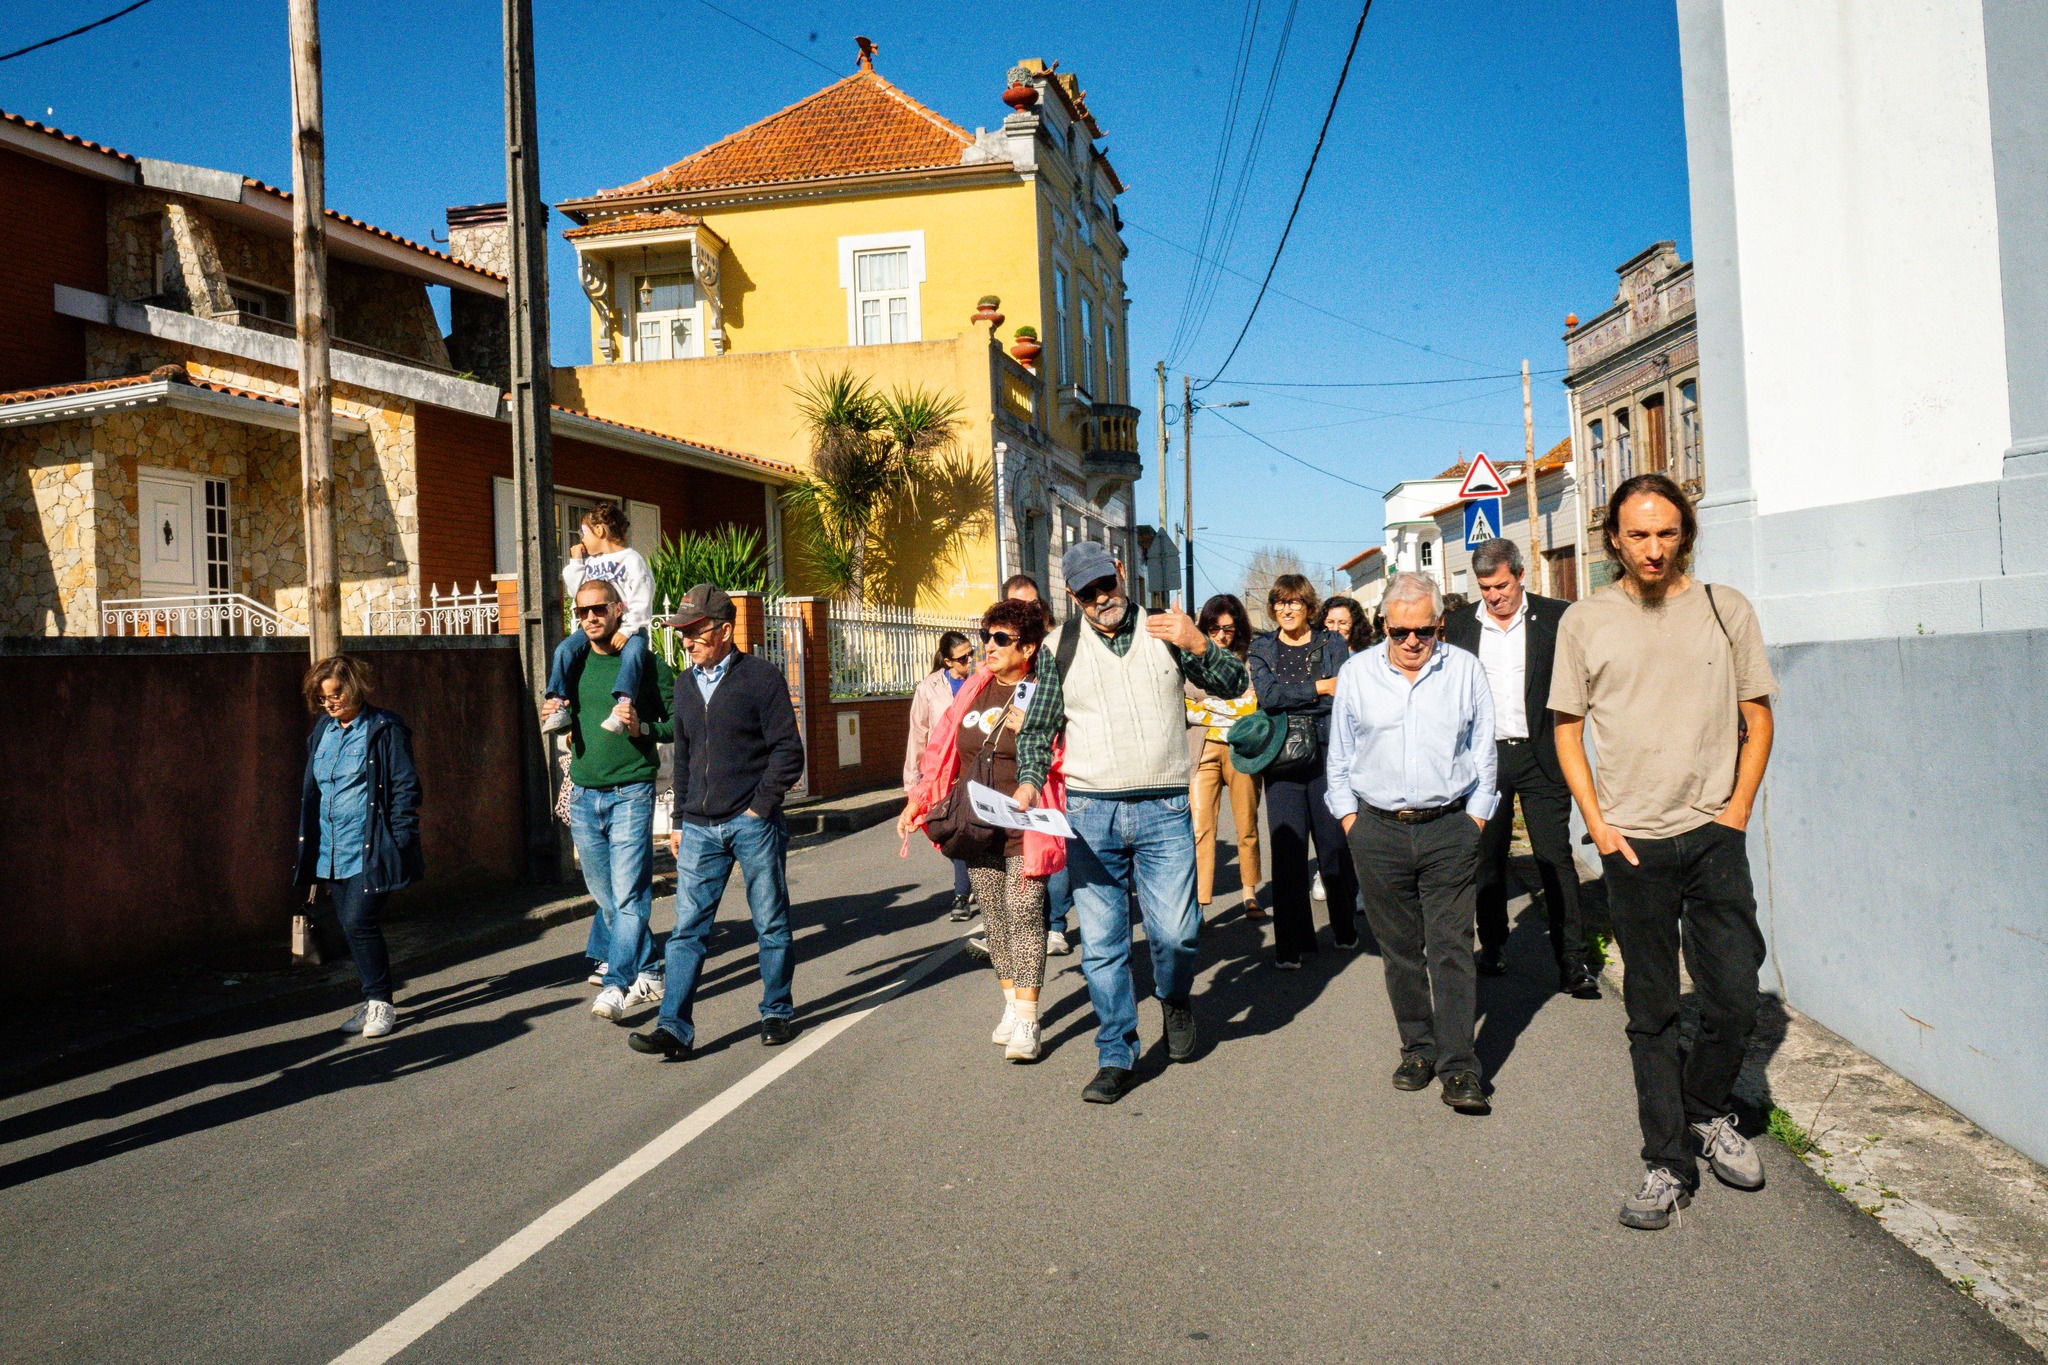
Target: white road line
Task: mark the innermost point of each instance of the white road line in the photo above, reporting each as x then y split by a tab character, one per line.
416	1321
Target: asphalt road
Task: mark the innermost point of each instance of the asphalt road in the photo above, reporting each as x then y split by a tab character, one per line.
900	1193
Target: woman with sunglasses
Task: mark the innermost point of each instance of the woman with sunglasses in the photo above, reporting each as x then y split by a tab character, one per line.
1009	876
952	665
1226	623
1294	671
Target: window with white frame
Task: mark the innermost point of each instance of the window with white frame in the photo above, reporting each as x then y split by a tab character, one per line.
1624	447
1596	457
1425	554
664	317
1059	322
1689	463
1088	381
1112	372
881	274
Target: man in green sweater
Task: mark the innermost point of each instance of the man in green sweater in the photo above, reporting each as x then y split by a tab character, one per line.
611	804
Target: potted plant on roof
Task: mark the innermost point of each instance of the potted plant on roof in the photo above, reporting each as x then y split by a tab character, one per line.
1025	349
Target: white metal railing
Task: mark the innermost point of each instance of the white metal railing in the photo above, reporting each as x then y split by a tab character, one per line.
886	651
454	612
219	613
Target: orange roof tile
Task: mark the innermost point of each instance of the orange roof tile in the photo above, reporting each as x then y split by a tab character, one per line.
789	471
63	136
133	381
861	125
634	222
376	231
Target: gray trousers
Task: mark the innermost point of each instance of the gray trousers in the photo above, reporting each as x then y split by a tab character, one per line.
1421	884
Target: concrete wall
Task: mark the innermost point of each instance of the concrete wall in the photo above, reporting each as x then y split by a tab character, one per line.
1870	224
157	784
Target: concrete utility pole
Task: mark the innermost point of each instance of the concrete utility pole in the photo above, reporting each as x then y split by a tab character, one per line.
1529	482
1165	446
1187	480
533	464
309	278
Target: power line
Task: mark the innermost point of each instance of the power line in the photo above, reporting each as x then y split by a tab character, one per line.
1247	33
1314	155
1296	458
794	51
85	28
1375	384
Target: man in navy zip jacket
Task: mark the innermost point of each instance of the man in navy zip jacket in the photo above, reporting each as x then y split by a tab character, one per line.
738	752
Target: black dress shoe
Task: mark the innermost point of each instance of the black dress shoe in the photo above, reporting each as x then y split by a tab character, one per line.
1180	1031
1464	1093
1414	1073
1491	961
962	911
776	1031
1108	1086
660	1043
1579	982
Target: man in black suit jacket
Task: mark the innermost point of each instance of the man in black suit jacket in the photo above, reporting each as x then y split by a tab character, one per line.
1514	633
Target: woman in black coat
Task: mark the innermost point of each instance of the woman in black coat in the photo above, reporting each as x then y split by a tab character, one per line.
359	821
1294	670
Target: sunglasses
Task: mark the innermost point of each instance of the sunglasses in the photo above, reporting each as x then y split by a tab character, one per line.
959	659
594	609
1399	634
999	637
1101	587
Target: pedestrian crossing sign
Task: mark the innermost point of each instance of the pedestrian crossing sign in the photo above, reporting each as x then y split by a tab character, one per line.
1482	522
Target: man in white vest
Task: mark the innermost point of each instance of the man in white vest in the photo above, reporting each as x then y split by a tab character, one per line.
1115	691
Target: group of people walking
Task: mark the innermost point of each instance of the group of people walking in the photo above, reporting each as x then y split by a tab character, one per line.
1395	762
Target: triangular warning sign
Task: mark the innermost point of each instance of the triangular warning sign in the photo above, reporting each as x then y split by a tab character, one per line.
1482	480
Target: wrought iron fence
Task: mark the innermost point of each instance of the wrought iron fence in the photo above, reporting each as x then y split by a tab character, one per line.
886	651
219	613
454	612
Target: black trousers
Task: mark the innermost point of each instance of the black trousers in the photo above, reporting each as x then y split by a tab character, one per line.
1547	810
1299	817
1419	884
1695	889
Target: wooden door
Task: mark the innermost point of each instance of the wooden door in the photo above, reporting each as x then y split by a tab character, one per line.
1656	456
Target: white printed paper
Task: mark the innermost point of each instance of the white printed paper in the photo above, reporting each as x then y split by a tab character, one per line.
992	807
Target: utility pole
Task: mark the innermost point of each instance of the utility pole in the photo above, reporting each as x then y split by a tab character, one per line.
533	465
1187	485
1529	482
1165	446
309	278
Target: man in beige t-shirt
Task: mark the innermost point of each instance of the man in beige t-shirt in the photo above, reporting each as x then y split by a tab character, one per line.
1671	675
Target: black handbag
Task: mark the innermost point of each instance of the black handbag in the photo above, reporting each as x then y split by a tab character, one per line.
952	824
1301	751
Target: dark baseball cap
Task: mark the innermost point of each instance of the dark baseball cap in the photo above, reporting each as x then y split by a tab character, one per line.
702	603
1084	563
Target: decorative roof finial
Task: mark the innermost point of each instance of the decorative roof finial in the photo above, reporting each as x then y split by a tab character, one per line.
867	52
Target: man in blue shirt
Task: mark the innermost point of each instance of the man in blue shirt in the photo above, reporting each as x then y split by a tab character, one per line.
1411	776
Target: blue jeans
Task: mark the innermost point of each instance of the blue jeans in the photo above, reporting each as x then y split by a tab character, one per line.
704	865
1059	900
358	908
614	833
568	662
1149	843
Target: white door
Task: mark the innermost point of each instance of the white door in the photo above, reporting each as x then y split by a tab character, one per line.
170	521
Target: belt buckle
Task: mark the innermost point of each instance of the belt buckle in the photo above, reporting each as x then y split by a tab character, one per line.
1409	817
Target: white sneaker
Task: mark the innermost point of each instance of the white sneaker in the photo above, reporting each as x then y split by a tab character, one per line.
561	720
1317	889
1056	944
379	1018
1023	1046
613	724
354	1023
647	990
1008	1025
598	974
610	1004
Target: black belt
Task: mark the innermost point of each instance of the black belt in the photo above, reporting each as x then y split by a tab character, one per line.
1513	739
1418	817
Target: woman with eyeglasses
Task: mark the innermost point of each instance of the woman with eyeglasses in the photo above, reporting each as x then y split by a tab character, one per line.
359	821
1294	671
1344	618
976	740
952	665
1226	623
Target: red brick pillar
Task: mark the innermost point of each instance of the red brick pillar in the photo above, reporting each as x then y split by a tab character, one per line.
815	616
750	622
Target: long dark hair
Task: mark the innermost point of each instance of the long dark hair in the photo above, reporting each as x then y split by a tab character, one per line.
1657	485
948	642
1360	635
1225	604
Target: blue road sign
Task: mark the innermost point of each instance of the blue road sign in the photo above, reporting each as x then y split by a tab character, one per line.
1482	522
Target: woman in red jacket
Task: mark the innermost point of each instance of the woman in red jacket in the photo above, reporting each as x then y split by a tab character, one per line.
978	735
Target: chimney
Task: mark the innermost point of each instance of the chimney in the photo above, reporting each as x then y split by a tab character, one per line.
480	340
478	235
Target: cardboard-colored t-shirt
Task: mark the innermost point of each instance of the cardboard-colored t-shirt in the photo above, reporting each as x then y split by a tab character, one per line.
1658	686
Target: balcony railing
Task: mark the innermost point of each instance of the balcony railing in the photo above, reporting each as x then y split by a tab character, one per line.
454	612
886	651
222	613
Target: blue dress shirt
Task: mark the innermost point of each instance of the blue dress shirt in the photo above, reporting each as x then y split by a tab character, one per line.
341	765
1397	745
708	679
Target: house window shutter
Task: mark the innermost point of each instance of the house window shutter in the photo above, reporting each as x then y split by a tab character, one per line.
644	534
504	526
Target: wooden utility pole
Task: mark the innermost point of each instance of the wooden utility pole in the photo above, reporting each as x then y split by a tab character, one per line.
309	277
533	465
1165	446
1187	480
1536	575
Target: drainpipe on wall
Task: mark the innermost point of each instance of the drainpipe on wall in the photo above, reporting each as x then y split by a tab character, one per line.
1002	559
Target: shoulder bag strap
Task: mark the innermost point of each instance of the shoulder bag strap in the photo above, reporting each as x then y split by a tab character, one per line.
1063	651
1741	724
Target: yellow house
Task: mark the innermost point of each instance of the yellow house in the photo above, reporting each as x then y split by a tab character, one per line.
859	230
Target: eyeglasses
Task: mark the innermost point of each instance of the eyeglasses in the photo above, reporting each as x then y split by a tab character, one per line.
593	609
1101	587
999	637
1399	634
338	699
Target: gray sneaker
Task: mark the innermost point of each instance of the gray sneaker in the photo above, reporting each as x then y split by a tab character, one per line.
1652	1206
561	720
1729	1154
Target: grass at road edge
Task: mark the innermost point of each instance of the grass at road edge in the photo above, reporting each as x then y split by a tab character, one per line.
1797	1140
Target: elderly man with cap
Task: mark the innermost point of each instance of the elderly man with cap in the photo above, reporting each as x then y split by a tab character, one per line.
738	752
1114	689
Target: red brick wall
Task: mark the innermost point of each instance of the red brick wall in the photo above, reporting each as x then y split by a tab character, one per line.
53	226
884	731
460	454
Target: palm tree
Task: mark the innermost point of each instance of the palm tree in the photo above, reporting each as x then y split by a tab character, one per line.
868	452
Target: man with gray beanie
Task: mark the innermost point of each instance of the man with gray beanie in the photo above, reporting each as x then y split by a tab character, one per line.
1115	691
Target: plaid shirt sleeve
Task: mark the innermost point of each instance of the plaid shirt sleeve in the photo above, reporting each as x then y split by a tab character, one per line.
1216	671
1044	719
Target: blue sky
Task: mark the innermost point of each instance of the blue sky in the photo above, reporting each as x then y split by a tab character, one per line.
1489	166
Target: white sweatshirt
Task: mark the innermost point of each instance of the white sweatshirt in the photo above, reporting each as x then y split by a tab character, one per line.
625	570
